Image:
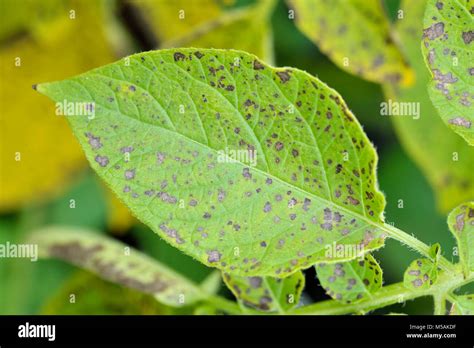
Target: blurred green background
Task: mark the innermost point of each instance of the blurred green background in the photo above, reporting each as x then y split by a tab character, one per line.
43	286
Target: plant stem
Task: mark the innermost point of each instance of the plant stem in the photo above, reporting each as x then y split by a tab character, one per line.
388	295
417	245
224	304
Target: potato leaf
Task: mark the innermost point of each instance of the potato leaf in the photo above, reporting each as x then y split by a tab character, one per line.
267	293
116	262
463	305
448	48
446	159
461	224
251	169
421	274
351	281
355	34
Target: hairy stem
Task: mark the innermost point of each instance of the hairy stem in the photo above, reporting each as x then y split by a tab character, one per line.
388	295
417	245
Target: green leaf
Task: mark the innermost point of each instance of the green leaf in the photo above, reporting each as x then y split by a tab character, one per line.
461	224
355	34
251	169
435	253
421	274
463	305
351	281
116	262
267	293
448	48
445	159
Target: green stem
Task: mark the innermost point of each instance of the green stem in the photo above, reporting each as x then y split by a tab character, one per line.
388	295
417	245
223	304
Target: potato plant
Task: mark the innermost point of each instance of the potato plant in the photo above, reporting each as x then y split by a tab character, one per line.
264	172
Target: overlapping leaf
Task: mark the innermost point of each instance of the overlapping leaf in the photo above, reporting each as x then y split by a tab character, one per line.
355	34
461	224
267	293
116	262
248	168
445	158
448	47
351	281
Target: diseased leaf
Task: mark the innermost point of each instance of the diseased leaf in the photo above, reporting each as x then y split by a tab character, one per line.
463	305
355	34
116	262
267	293
445	158
251	169
448	48
34	167
461	224
351	281
421	274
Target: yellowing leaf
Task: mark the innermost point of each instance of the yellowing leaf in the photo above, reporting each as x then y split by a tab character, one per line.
448	47
355	34
38	154
172	19
246	29
445	158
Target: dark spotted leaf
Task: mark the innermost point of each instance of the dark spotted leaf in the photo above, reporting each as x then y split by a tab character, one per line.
355	34
267	293
463	305
251	169
351	281
421	274
445	158
448	47
461	224
116	262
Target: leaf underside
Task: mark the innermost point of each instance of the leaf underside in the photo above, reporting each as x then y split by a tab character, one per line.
247	168
448	47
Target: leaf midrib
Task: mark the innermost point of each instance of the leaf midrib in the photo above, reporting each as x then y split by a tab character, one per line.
379	225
